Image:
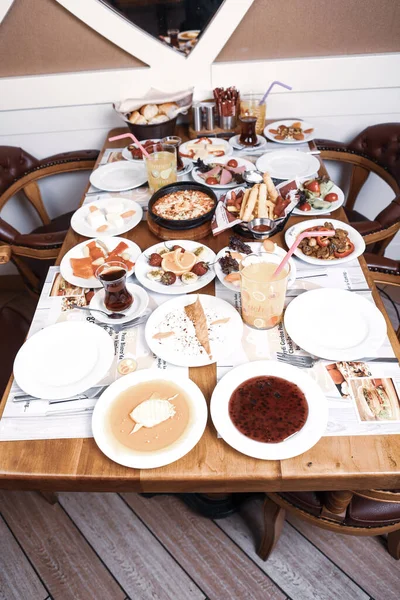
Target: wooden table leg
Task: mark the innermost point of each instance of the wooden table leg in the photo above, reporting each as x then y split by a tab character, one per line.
274	518
393	540
50	497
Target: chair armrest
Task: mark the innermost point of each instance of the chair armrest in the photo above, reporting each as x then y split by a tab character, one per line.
367	227
65	157
390	215
382	264
7	232
323	144
39	241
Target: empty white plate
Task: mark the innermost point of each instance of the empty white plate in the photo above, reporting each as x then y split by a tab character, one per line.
294	445
335	324
63	360
140	302
119	176
288	164
123	455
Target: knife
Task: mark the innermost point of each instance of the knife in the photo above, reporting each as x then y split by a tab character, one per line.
91	393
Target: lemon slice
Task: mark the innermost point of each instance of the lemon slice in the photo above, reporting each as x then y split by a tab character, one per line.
259	296
166	173
259	323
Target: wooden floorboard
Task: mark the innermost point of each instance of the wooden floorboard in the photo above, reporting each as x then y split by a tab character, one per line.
60	554
17	577
365	560
145	570
110	547
299	568
216	564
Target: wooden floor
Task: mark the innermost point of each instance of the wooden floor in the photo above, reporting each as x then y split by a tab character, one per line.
113	547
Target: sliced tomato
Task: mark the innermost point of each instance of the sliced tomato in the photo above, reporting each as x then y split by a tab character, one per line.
212	181
305	207
232	163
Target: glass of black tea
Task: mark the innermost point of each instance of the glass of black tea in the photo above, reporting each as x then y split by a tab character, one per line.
112	275
248	136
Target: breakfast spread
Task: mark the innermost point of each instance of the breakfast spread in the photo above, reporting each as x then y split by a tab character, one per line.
109	217
268	409
290	132
220	174
136	151
177	263
327	248
202	148
183	205
150	416
191	330
95	253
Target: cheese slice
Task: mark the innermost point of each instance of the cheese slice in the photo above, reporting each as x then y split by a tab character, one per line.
152	412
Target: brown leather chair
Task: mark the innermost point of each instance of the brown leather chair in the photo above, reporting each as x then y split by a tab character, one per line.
16	313
372	512
34	252
384	271
375	150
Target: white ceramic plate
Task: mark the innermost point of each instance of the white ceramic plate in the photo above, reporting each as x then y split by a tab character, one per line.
288	164
188	167
77	252
220	142
256	247
63	360
335	324
127	153
242	162
357	239
119	176
139	305
298	443
148	460
81	226
324	211
142	267
234	142
288	123
224	338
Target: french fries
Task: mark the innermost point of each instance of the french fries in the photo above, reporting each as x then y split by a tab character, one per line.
260	201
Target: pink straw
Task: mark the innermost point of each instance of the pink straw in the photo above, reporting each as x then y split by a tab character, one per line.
297	241
130	135
288	87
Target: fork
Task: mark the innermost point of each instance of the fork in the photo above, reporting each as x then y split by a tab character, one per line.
305	362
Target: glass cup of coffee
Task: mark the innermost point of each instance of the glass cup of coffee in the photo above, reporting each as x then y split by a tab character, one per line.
248	136
112	275
262	293
175	142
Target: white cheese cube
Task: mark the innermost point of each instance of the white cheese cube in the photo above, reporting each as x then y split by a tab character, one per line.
115	220
115	206
96	219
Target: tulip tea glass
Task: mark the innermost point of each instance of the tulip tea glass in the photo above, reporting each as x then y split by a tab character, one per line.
112	275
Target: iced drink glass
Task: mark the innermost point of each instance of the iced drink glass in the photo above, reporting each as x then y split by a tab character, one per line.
263	294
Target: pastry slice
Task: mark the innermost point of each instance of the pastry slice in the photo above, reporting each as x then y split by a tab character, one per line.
196	314
82	267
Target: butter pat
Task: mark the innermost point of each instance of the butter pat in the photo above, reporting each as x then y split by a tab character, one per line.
152	412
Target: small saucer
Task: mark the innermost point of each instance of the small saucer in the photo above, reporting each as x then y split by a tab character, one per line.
234	142
139	305
187	167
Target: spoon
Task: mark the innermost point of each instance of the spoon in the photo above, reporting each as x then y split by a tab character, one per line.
112	315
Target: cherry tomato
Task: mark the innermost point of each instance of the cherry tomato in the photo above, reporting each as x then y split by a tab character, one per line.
305	207
331	197
212	181
313	186
232	163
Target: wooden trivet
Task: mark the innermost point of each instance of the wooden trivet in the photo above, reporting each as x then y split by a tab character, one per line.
196	233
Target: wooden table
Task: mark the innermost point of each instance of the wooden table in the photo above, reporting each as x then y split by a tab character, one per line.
358	462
